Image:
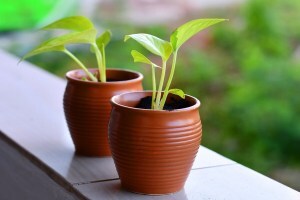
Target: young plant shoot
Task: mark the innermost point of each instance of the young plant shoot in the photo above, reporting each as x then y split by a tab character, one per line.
139	57
81	31
164	50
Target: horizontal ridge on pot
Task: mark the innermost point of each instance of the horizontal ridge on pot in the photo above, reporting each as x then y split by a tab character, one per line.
87	107
153	150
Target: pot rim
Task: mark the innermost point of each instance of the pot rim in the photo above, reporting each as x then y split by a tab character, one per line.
193	107
137	79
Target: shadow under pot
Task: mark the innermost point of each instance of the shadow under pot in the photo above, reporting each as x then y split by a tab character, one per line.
153	150
87	107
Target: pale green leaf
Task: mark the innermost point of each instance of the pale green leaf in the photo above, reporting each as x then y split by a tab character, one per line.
87	36
139	57
177	92
103	39
75	23
58	43
189	29
39	50
153	44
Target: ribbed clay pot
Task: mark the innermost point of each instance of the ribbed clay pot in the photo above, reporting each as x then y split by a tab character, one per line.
153	150
87	107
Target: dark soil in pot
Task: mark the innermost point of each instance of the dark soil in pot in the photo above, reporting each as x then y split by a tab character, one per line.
171	104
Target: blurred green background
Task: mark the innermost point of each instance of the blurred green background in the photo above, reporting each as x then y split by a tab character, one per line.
246	72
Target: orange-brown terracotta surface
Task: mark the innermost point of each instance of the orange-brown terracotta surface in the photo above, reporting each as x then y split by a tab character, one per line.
87	108
153	150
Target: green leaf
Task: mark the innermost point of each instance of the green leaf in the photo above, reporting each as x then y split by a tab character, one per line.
103	39
153	44
178	92
189	29
43	49
139	57
58	43
75	23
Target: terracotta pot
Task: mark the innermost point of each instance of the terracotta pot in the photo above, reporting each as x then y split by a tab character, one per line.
153	150
87	107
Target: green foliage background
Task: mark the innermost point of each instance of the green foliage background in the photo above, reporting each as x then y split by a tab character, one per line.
256	113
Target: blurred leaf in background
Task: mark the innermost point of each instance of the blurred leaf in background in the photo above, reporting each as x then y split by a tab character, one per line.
248	80
262	103
23	14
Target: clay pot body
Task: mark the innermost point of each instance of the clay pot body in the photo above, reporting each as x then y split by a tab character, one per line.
153	150
87	107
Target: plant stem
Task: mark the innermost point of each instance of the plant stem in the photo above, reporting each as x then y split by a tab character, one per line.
90	75
161	83
164	98
153	88
102	71
103	59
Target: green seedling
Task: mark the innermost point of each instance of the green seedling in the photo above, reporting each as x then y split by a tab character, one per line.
164	50
139	57
81	31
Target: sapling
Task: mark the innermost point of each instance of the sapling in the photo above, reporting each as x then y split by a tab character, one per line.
81	31
164	50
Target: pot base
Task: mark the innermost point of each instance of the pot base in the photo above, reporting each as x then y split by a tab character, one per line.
85	152
151	194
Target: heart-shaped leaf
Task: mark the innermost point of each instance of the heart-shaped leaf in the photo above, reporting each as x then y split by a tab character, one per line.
153	44
178	92
189	29
139	57
58	43
75	23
